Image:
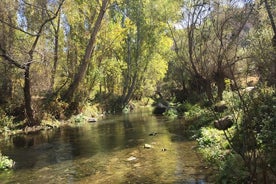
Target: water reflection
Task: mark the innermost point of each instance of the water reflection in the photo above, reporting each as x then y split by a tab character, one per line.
98	152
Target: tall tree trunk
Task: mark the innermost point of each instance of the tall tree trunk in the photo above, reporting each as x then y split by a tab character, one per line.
220	84
68	96
28	98
56	40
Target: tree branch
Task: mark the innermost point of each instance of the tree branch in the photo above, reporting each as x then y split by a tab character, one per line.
268	9
18	28
9	59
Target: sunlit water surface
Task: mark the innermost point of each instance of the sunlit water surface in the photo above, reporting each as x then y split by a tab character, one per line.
109	151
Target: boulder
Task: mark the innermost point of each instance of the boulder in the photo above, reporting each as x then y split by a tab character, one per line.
223	123
160	108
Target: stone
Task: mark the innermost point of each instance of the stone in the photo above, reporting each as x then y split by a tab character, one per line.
131	158
153	134
147	146
223	123
92	120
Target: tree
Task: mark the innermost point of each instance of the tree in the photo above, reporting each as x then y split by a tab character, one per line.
26	66
268	7
79	76
145	31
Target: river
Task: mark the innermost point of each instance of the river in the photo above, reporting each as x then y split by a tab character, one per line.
111	150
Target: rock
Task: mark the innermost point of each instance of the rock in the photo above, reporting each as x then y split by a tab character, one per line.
131	158
92	120
153	134
163	149
147	146
137	165
220	106
160	109
223	123
249	89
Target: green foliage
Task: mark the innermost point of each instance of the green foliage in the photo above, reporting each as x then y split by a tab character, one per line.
5	162
253	132
171	113
8	123
80	118
55	107
232	170
212	145
198	116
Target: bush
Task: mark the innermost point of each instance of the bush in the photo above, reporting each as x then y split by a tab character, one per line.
213	145
232	170
5	162
171	113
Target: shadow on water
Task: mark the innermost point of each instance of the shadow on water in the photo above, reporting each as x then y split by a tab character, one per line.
109	151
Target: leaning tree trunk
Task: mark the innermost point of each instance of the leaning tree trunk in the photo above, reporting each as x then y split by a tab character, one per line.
68	96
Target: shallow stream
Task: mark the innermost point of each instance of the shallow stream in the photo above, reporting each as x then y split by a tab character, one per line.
108	151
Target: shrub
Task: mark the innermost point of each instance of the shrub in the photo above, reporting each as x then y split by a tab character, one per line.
232	170
212	145
5	162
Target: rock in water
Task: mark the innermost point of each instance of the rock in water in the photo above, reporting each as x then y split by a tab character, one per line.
147	146
153	134
131	158
92	120
163	149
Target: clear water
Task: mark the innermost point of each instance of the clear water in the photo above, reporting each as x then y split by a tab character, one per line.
109	151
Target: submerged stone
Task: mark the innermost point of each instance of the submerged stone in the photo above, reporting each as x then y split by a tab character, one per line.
131	158
147	146
92	120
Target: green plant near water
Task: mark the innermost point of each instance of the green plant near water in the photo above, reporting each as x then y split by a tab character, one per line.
248	152
213	145
198	116
171	113
5	162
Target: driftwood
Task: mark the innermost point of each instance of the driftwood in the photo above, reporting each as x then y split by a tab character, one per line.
223	123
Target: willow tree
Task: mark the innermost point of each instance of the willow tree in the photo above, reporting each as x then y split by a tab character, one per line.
145	28
209	40
30	33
